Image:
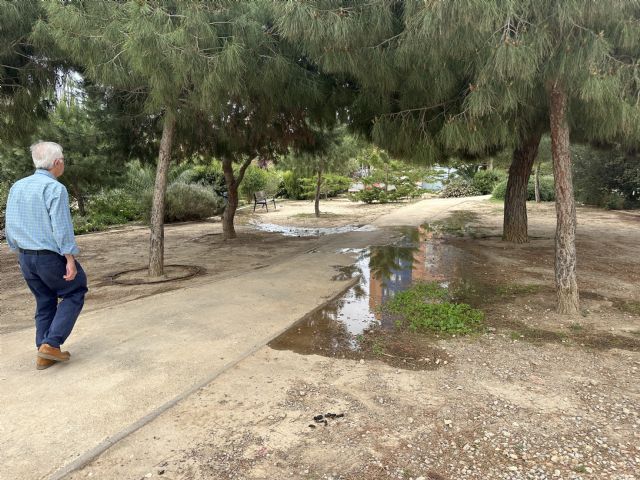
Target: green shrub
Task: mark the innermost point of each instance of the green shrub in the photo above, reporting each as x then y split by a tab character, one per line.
107	208
4	192
485	180
459	187
258	179
427	307
209	175
255	180
334	184
373	194
190	201
606	178
547	192
291	185
117	203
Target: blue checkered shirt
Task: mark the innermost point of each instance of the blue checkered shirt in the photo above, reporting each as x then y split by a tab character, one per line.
38	215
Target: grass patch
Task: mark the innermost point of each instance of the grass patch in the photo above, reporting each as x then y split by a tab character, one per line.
576	327
628	306
427	307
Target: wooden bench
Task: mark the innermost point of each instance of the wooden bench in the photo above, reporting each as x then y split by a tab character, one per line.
260	198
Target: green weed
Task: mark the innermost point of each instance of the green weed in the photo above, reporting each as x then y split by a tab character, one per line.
426	307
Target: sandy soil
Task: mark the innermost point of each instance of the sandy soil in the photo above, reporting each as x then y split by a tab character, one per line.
535	396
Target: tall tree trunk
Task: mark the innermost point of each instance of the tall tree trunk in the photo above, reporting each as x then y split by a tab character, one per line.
156	249
515	199
318	185
228	228
565	261
537	183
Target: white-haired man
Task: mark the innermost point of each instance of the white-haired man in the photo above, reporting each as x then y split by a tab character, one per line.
39	227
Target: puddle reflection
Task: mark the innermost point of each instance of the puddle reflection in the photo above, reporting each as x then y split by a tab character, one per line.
336	329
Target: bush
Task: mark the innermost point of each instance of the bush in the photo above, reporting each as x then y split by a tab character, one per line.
459	187
547	189
332	185
485	180
335	184
373	194
291	185
190	201
210	175
606	178
109	207
258	179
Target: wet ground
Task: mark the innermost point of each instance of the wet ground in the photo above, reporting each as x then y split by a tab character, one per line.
291	231
355	326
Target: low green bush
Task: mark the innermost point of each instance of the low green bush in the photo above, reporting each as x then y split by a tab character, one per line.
485	180
210	175
547	192
189	201
107	208
332	186
371	195
291	185
258	179
459	187
427	307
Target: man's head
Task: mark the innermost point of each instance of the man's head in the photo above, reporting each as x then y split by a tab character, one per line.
48	156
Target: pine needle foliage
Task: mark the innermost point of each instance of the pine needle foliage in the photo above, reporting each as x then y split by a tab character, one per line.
472	75
27	73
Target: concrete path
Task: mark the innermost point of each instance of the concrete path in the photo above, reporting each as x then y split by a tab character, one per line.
132	362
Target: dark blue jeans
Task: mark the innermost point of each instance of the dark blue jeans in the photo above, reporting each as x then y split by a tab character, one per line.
43	274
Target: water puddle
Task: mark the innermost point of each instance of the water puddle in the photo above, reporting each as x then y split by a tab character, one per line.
353	326
289	231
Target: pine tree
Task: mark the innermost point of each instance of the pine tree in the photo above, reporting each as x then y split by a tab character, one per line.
471	75
27	73
174	55
329	150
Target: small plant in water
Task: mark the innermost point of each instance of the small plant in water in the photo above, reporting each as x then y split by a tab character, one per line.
427	307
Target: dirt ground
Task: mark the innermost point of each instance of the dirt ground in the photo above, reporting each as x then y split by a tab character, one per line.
534	396
200	244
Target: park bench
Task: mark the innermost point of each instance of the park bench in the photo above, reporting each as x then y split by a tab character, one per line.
260	198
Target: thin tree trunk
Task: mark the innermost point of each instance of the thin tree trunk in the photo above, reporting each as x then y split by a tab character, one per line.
80	199
156	249
565	258
537	183
228	228
318	185
515	200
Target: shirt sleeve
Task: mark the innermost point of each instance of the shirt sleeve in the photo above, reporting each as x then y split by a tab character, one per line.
61	222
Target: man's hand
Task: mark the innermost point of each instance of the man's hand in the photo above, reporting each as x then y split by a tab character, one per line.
71	268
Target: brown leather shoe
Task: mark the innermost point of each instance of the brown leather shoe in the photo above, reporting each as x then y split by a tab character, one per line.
42	363
53	353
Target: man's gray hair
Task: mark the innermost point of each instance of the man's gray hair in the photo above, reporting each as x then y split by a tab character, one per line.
44	153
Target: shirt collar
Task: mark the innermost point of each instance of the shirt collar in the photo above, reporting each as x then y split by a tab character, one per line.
46	172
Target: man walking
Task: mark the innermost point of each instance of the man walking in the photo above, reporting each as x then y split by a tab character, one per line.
38	225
